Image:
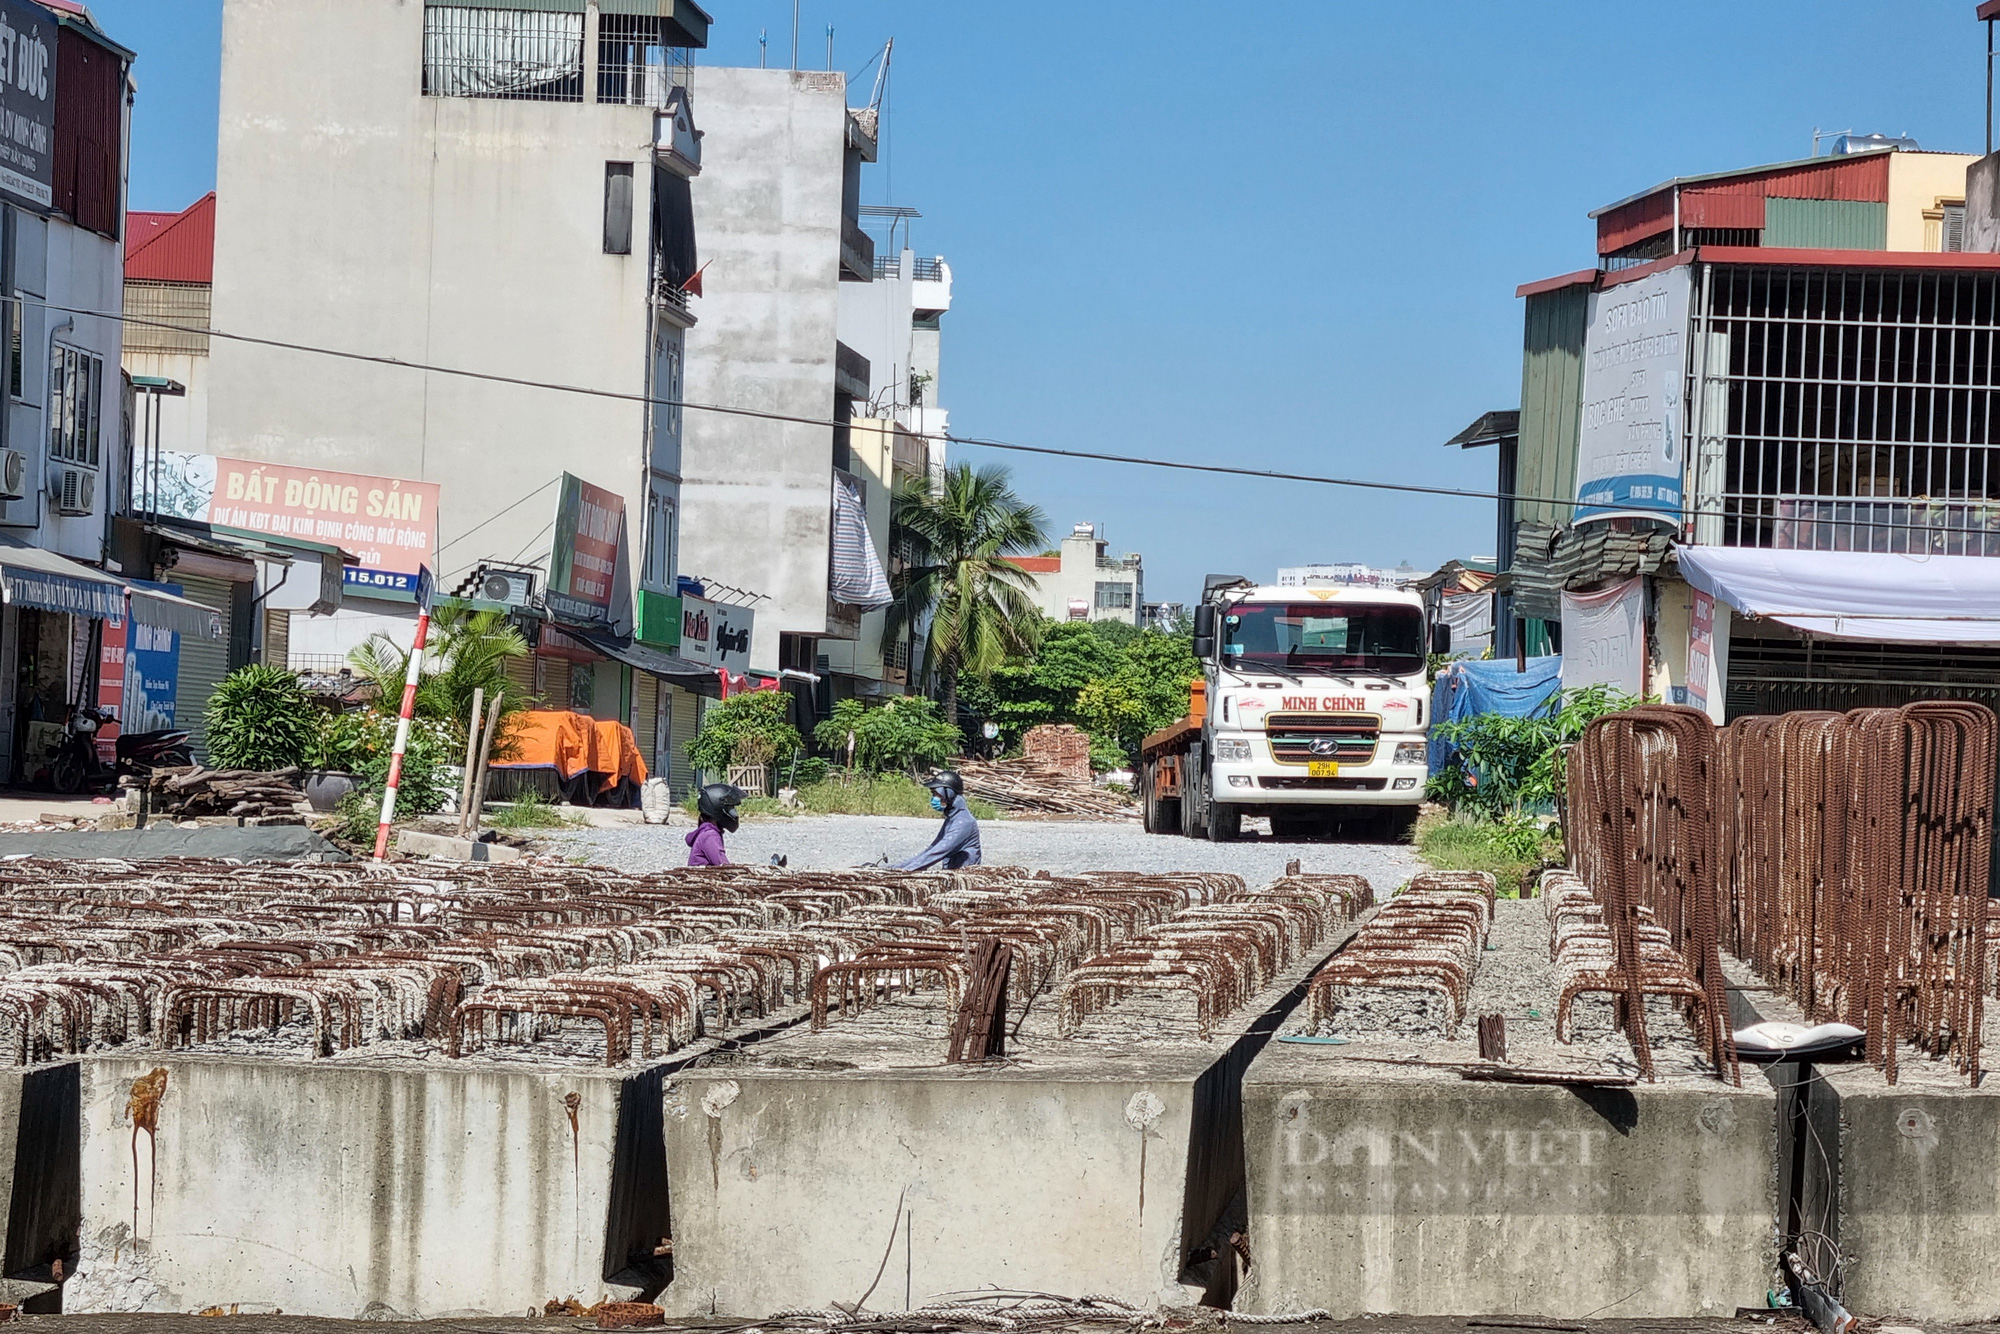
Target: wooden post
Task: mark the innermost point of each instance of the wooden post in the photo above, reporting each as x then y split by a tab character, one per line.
485	753
471	756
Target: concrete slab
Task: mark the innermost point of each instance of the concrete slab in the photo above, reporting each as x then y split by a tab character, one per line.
1374	1189
272	843
357	1189
417	843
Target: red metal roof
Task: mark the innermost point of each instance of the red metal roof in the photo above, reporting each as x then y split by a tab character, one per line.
1037	564
1581	278
1736	198
172	247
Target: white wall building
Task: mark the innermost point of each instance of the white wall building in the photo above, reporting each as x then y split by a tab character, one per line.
1347	574
1084	583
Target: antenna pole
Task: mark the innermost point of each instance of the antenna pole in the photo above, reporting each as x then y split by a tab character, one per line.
795	34
829	46
763	48
1989	85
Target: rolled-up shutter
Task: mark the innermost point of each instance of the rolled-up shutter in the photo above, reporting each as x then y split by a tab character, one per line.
684	722
277	637
521	679
555	683
204	662
645	717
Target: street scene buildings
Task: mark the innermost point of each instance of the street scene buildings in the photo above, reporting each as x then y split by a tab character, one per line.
566	756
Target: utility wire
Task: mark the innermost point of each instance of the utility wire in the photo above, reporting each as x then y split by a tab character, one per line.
1665	513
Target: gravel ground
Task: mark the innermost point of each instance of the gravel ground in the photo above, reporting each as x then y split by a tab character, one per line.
829	841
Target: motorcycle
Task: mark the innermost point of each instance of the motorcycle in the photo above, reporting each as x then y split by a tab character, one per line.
77	764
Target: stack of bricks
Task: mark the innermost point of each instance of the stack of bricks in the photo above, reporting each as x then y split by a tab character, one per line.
1060	747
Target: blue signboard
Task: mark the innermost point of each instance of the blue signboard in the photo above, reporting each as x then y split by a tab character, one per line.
152	671
378	581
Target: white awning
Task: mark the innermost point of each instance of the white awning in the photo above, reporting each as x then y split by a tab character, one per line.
1856	594
165	611
32	577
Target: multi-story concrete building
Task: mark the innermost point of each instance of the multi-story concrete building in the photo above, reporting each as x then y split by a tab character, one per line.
1082	583
895	439
779	214
1347	574
1754	454
498	190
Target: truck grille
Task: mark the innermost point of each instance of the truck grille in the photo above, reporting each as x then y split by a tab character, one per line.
1291	736
1291	784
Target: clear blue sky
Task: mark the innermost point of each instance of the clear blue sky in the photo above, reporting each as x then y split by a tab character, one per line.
1280	235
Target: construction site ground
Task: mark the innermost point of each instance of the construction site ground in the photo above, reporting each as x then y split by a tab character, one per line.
826	842
1192	1320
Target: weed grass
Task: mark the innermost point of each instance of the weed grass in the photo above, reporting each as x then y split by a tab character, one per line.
1461	843
530	810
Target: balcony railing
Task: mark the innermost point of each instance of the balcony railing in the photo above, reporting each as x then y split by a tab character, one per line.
857	251
923	268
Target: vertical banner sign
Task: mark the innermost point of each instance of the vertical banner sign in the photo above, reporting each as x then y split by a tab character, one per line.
590	535
1701	638
1604	638
1631	448
27	104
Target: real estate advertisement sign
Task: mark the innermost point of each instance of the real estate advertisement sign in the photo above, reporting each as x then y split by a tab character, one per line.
1604	637
589	542
27	103
1631	441
390	524
717	634
138	676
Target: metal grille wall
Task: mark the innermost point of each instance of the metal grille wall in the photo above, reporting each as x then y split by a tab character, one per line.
522	54
204	662
1860	407
1782	675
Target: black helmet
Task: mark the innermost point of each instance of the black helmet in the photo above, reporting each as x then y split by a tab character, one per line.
718	803
946	780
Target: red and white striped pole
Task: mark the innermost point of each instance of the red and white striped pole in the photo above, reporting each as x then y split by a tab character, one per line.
410	679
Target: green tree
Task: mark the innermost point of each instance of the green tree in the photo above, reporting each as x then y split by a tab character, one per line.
467	651
260	717
958	541
752	728
897	734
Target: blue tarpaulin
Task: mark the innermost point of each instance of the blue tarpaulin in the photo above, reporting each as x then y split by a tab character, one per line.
1475	686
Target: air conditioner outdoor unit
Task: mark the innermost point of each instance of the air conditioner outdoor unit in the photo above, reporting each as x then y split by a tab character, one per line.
79	492
511	588
13	474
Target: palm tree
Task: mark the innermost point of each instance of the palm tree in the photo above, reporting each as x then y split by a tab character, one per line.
956	542
467	650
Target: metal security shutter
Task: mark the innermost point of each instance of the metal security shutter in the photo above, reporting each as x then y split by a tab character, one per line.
204	662
683	723
646	716
521	679
555	683
277	638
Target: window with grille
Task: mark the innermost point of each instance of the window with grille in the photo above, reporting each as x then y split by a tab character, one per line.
76	388
1114	597
635	64
658	569
1857	410
523	54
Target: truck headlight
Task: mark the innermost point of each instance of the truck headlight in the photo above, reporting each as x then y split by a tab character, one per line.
1412	752
1232	748
1405	784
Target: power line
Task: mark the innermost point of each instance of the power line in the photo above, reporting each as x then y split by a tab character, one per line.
1665	513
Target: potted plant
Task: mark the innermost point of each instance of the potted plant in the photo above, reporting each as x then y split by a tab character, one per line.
341	745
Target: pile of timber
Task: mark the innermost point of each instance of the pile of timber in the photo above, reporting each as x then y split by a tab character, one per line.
1029	788
184	793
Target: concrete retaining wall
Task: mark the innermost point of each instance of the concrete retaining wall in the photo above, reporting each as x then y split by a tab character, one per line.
344	1189
787	1189
1428	1196
1919	1191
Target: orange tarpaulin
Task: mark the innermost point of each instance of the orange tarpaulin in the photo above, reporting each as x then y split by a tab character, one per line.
570	743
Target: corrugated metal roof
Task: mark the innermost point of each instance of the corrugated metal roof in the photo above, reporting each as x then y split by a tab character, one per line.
1037	564
1581	278
172	247
1781	257
1795	164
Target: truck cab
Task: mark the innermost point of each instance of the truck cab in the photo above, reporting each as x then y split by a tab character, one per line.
1311	711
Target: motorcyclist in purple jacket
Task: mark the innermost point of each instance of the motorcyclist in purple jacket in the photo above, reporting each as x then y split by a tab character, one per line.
716	805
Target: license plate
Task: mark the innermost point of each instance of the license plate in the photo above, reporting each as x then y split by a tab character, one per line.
1323	769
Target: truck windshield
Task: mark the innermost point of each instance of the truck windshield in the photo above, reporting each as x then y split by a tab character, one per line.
1323	636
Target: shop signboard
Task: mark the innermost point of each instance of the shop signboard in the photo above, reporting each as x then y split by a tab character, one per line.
1701	639
138	678
389	524
589	546
1604	638
27	103
716	634
1631	441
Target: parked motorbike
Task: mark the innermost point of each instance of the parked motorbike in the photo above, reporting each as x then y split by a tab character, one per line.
76	762
140	753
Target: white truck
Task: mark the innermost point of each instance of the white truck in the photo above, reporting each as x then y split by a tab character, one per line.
1311	710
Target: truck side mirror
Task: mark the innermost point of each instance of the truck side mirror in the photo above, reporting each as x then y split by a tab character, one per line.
1441	638
1204	631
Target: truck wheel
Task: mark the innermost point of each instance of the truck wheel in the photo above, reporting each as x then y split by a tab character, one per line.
1194	821
1396	826
1225	822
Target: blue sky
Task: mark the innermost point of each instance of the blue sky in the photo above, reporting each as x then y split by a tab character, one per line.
1277	235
